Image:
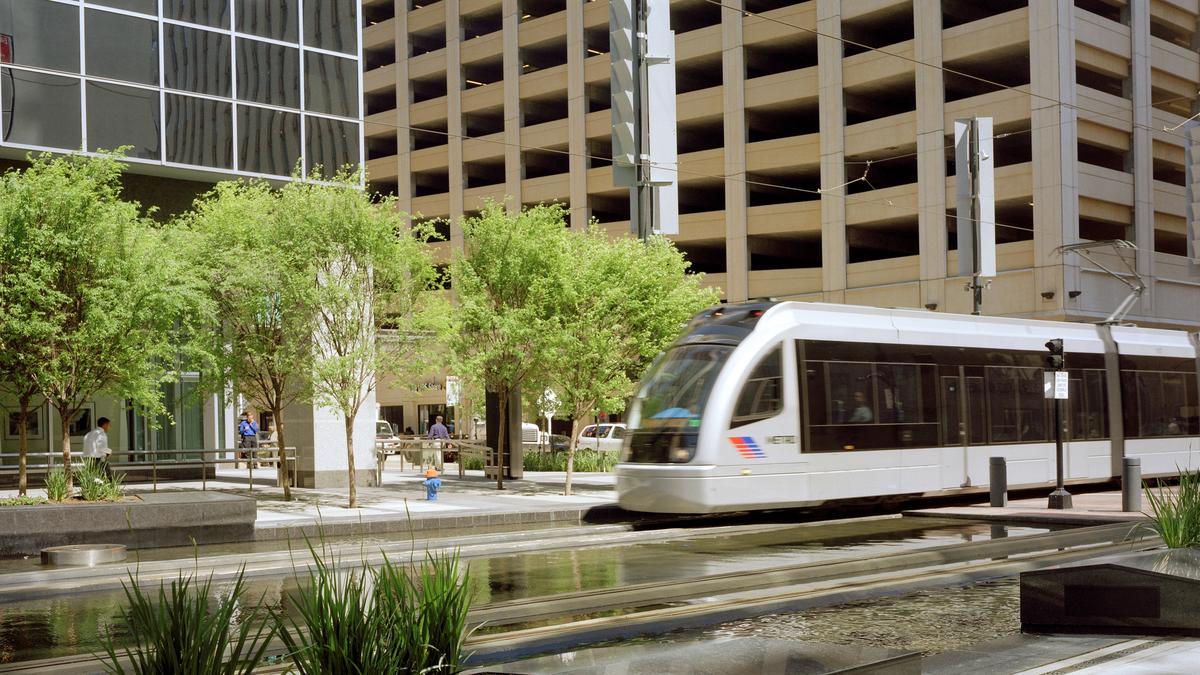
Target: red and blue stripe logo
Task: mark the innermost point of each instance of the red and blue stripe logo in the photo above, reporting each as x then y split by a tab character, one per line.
747	448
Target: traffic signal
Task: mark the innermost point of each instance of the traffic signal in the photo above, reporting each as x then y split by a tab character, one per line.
1055	360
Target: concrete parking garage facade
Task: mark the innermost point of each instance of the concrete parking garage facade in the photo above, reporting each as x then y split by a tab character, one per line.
813	138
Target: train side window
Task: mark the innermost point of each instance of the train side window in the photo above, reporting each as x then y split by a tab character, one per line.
851	393
762	395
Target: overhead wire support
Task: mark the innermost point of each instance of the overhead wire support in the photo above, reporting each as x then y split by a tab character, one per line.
1131	277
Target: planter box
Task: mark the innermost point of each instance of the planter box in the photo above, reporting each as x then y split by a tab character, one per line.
147	521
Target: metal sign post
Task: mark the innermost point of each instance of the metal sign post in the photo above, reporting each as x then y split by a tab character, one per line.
975	189
642	55
1057	387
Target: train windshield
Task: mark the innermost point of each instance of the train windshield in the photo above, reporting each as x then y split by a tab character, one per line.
677	387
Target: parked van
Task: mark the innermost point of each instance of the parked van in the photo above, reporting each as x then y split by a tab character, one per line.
603	436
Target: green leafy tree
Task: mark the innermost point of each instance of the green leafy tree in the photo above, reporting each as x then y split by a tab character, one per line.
264	292
117	301
510	283
628	301
374	311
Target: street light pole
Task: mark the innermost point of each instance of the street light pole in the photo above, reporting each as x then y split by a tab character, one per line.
1056	369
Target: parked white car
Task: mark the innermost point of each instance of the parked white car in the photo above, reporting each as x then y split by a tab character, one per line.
602	436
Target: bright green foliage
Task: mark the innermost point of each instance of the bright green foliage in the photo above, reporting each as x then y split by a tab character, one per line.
110	300
628	300
374	273
510	282
190	630
586	461
1176	516
22	501
95	485
264	289
379	620
58	488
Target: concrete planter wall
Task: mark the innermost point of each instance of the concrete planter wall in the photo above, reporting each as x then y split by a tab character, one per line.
152	520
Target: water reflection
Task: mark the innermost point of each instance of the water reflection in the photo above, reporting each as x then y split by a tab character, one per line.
72	625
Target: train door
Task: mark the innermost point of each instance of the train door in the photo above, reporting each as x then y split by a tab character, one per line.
963	416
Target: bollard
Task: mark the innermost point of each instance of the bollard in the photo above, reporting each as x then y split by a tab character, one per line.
998	481
1131	484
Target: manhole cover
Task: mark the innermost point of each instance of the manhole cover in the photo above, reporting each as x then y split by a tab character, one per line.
83	554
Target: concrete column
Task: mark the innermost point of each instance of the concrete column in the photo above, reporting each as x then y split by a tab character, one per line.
833	154
733	77
512	104
1142	155
931	158
576	114
319	437
454	122
1054	139
404	187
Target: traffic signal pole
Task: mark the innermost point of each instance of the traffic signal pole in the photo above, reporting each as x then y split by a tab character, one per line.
1056	362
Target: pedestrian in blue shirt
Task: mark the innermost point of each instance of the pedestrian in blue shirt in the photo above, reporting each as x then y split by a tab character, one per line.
248	436
432	484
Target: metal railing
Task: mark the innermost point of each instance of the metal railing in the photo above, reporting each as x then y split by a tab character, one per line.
153	460
427	452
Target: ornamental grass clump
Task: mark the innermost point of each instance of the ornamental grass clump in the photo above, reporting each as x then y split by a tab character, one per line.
387	619
1175	516
185	630
95	485
58	488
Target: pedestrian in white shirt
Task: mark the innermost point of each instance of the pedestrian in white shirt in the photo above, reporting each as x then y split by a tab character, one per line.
95	443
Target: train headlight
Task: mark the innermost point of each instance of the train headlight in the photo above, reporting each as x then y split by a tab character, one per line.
683	448
680	454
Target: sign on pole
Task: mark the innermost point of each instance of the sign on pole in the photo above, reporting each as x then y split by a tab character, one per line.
975	191
1055	384
453	390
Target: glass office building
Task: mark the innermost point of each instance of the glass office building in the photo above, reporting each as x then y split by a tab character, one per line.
194	87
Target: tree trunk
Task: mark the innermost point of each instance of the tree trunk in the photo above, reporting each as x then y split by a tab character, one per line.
350	462
501	437
23	449
571	453
65	420
284	475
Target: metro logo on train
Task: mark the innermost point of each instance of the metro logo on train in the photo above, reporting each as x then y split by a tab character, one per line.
863	402
746	447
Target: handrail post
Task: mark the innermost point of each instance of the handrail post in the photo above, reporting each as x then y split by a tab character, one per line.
154	470
203	472
250	465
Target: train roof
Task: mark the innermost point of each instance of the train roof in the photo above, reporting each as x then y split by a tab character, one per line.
855	323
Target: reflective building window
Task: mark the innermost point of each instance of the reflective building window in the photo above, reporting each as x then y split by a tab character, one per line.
330	84
143	6
199	131
268	140
120	116
205	12
277	19
122	47
196	60
331	25
331	144
30	45
268	73
40	109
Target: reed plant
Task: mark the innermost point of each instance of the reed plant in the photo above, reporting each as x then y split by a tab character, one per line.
386	619
1175	516
58	488
95	484
183	630
586	461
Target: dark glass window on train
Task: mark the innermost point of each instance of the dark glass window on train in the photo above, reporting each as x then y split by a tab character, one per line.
762	395
871	396
870	406
1159	403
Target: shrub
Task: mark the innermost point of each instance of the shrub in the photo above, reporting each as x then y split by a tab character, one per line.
22	501
472	463
185	630
96	485
379	620
1176	516
57	487
586	461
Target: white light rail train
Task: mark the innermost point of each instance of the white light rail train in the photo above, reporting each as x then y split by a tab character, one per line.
786	404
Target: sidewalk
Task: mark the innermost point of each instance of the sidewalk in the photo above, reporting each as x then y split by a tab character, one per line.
1093	508
400	504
